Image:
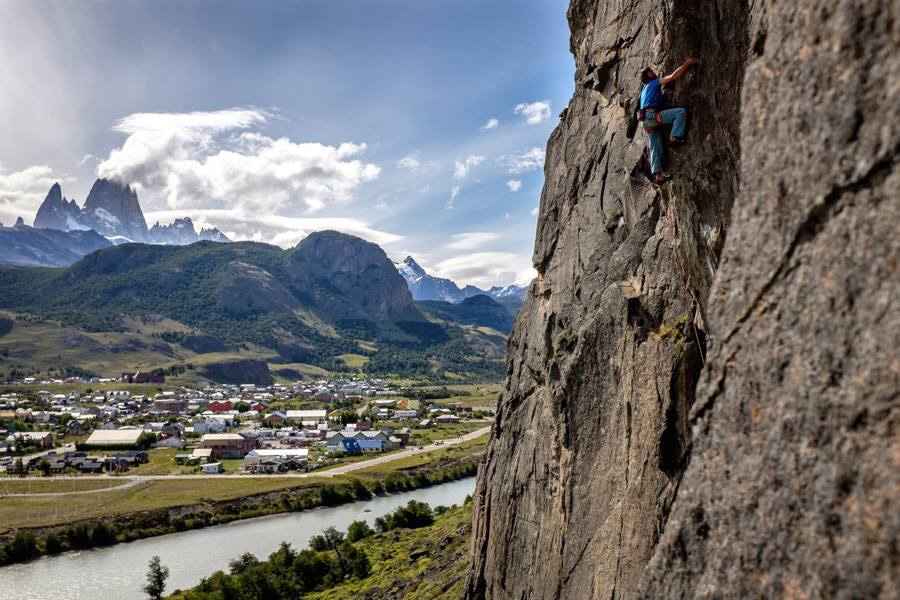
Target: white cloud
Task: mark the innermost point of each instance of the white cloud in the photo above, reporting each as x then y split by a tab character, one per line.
514	185
485	269
472	240
534	112
463	168
454	192
409	162
492	123
22	192
522	162
189	159
535	211
272	229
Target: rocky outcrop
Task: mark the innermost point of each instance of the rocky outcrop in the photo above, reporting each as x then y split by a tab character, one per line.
346	277
776	479
245	289
237	371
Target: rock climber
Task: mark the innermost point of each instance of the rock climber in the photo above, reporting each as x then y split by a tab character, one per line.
652	116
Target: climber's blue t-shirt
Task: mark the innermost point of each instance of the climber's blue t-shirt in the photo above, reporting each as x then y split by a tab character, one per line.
651	94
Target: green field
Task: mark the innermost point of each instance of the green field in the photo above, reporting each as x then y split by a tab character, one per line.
37	345
9	485
18	511
354	361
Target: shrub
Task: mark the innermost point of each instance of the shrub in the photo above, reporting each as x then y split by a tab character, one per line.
358	530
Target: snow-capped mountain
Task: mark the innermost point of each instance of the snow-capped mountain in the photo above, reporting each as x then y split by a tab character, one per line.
182	232
427	287
111	209
63	232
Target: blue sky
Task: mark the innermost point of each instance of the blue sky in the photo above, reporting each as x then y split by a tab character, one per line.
417	124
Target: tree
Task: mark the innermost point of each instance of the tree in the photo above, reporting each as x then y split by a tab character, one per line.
19	468
145	440
44	467
358	530
354	561
330	539
156	579
242	563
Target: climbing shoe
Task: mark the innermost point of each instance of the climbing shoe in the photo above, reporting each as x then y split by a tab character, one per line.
677	141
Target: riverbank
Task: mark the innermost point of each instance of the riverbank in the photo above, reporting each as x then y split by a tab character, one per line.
412	560
162	506
118	572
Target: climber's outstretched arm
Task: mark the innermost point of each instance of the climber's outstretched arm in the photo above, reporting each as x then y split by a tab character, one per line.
678	72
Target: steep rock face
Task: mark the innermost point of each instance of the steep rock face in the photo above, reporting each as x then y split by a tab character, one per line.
238	370
591	434
793	485
56	212
594	430
245	289
112	209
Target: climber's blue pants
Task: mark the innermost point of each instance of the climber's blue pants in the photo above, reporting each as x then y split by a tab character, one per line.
676	117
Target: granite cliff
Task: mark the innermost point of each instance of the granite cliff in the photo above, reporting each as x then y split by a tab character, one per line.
703	380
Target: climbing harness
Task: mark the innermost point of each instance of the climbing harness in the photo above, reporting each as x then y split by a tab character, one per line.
650	119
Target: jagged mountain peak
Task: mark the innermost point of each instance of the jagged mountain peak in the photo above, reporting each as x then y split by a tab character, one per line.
428	287
413	266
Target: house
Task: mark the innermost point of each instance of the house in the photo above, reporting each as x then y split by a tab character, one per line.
226	445
288	458
114	437
371	446
202	454
171	405
212	468
308	418
141	377
348	447
406	414
275	418
220	406
447	419
425	424
41	439
403	436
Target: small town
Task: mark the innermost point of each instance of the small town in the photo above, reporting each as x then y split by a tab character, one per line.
212	429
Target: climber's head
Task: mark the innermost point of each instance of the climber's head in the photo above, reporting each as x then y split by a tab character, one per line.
648	75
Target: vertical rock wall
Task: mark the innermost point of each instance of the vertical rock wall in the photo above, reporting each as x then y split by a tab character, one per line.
598	421
592	434
793	489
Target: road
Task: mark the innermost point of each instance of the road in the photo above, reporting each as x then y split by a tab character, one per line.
132	480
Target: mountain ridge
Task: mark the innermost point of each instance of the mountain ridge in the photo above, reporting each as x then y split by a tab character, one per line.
428	287
311	303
